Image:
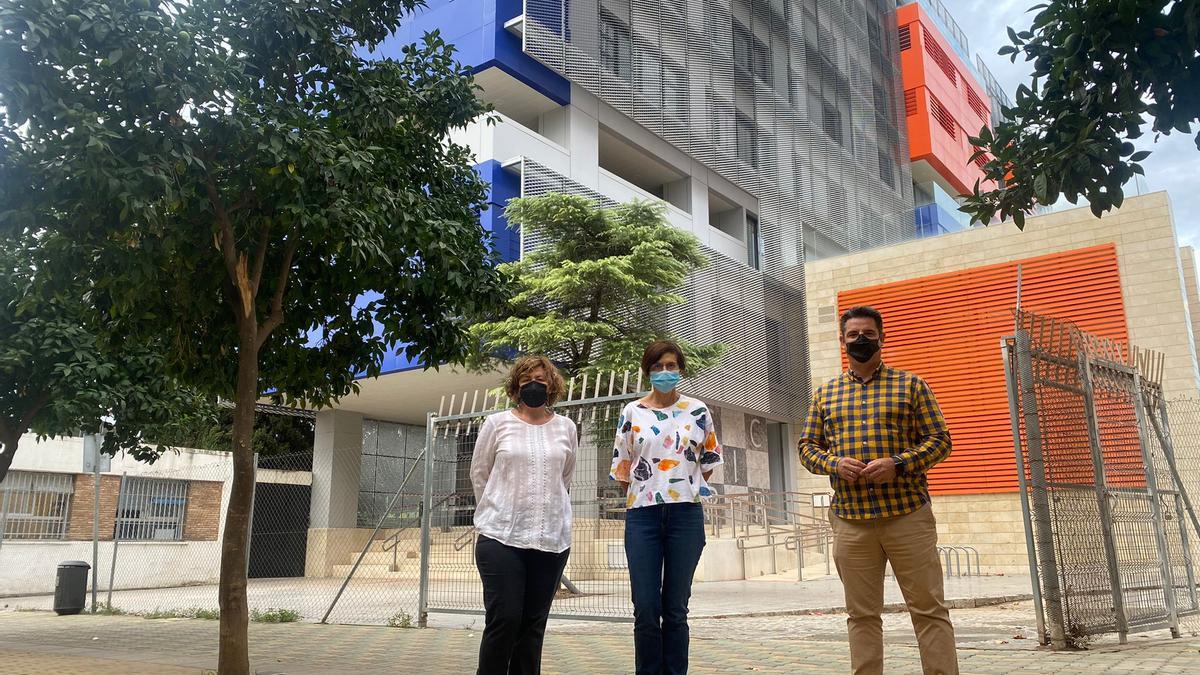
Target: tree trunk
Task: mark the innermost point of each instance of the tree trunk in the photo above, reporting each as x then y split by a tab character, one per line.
8	449
234	652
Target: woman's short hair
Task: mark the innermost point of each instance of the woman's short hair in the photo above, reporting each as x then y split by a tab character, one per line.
655	351
527	364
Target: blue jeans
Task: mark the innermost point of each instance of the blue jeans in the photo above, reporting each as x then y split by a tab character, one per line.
663	544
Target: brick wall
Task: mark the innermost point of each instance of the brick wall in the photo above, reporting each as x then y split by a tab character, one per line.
79	523
202	521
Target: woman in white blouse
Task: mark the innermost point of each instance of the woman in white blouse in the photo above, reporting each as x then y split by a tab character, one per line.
521	472
665	451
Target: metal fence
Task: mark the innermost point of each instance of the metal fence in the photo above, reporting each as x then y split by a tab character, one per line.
596	582
1109	524
34	505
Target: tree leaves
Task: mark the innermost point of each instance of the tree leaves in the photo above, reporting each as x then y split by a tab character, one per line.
1097	75
598	288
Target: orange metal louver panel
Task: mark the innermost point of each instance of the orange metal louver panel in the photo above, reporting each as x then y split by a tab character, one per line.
947	328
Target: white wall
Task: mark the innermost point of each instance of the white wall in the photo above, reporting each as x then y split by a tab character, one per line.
29	567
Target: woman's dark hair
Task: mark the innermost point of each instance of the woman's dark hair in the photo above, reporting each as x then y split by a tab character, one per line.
862	312
655	351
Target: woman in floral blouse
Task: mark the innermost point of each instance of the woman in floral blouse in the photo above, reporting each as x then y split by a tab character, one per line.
666	448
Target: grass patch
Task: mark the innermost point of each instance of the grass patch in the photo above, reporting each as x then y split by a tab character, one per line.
272	615
401	619
106	609
188	613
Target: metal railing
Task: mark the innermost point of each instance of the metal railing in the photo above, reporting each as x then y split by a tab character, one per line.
766	525
35	505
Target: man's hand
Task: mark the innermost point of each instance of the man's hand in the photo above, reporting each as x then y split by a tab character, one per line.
849	469
881	470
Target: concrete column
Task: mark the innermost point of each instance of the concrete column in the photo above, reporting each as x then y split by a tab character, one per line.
583	138
337	455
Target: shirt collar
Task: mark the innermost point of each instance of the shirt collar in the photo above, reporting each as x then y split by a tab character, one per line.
879	372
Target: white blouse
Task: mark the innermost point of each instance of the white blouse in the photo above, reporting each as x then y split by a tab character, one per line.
521	473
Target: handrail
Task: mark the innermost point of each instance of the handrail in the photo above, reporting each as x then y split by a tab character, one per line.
798	532
392	543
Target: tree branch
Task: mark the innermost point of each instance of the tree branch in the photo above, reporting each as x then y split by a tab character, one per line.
260	256
235	264
276	316
40	401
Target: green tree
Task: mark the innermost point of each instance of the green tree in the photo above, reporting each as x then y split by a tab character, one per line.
60	373
281	209
1100	69
596	290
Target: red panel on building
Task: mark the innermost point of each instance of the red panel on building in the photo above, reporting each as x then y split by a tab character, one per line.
944	103
947	328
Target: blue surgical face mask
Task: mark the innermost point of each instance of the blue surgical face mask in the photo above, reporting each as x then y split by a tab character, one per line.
665	380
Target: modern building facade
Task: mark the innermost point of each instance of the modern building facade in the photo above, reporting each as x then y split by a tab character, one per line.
775	131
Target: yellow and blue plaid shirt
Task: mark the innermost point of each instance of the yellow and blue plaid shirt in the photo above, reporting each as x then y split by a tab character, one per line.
894	414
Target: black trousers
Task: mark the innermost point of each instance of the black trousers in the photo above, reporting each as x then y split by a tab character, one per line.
518	587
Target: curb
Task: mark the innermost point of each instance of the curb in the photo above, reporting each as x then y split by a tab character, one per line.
890	608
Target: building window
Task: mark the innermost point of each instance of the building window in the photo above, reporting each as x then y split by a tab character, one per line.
35	505
675	90
753	242
151	509
615	42
887	172
648	70
831	123
747	143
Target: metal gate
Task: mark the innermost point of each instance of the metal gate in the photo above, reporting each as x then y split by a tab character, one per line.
1109	526
596	581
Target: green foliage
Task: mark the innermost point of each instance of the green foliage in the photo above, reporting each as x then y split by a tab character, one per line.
211	428
597	290
249	181
401	619
61	372
1100	69
274	616
252	190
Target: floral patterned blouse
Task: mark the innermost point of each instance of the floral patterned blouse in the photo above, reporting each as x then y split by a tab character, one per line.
663	453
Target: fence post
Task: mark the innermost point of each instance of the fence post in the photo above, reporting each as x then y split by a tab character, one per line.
1181	497
1160	535
3	515
91	450
1102	494
112	566
1041	502
1010	374
1164	438
426	518
250	524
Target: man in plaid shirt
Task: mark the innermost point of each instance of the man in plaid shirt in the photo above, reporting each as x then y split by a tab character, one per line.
876	431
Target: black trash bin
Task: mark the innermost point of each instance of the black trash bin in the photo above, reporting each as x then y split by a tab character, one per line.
70	588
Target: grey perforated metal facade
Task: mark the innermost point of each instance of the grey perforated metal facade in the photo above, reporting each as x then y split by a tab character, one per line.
796	102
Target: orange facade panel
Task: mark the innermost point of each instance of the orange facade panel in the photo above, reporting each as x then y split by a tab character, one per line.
947	328
944	103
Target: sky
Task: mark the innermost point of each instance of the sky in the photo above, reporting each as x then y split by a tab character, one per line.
1174	163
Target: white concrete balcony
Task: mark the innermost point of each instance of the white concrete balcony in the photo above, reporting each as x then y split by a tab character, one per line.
620	190
507	140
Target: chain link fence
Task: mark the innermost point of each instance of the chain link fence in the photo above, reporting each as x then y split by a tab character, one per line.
1108	517
596	581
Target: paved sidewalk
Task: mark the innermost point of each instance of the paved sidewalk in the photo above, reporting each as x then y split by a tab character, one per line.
373	601
38	642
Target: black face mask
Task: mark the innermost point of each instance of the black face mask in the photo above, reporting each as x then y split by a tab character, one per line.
534	394
862	349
